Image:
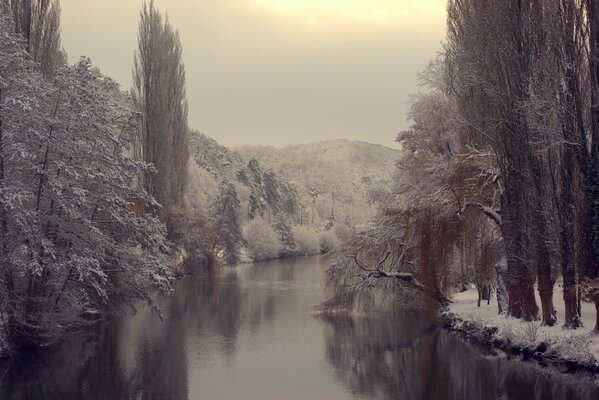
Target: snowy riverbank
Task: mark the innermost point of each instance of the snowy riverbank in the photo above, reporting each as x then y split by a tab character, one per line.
568	349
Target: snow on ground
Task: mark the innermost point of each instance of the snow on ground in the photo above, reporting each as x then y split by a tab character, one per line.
579	346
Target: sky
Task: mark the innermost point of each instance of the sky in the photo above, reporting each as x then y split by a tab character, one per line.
277	72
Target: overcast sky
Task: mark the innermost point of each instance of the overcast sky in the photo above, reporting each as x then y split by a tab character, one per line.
278	71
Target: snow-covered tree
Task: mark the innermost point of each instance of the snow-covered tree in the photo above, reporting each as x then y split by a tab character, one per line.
287	238
306	240
261	239
38	21
327	241
224	217
71	245
444	189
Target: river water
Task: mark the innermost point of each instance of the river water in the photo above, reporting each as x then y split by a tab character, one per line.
251	333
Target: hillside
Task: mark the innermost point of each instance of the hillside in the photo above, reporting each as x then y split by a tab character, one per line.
330	176
262	191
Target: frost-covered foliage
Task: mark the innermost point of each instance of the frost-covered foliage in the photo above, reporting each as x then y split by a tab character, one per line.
193	233
327	241
71	246
354	288
262	241
225	221
287	238
498	183
307	240
269	192
342	231
261	191
430	229
213	157
543	134
339	174
38	21
202	189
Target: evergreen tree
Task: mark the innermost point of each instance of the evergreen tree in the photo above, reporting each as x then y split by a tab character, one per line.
287	238
224	216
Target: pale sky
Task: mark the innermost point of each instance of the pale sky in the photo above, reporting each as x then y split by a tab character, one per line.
278	71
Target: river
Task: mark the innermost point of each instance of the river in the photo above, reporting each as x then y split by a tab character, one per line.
251	333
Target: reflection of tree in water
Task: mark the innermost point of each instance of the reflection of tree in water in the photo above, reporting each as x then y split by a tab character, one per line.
66	372
411	359
216	309
136	357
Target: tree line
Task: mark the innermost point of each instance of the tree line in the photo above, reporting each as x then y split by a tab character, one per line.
92	179
98	209
498	184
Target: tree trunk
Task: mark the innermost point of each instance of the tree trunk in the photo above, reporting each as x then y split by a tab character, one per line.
520	277
572	318
501	293
572	157
567	241
520	286
544	281
590	161
8	290
543	259
548	310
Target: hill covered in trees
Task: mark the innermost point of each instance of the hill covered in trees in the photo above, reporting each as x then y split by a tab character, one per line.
307	183
341	176
262	192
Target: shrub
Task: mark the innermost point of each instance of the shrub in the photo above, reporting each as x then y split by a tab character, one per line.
327	241
190	231
342	231
261	239
306	240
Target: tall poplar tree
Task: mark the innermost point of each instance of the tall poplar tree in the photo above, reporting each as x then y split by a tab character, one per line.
38	21
159	95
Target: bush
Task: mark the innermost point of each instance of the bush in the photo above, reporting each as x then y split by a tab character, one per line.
306	240
262	241
327	241
190	231
342	231
202	189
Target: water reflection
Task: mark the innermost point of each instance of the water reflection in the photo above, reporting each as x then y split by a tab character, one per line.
251	333
408	358
139	357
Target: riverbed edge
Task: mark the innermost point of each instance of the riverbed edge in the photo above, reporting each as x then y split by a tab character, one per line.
544	353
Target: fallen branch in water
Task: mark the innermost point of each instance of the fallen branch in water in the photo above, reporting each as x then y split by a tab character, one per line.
405	277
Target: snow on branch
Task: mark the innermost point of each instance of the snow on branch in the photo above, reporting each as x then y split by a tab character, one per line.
488	211
405	277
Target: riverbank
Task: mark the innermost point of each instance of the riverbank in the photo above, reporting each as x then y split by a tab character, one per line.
568	350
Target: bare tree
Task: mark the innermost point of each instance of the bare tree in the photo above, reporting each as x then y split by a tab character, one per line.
490	53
